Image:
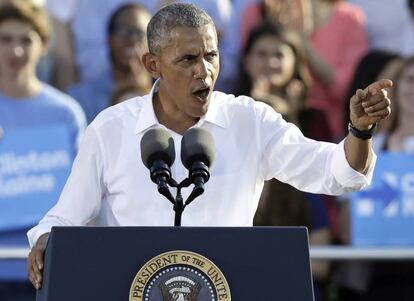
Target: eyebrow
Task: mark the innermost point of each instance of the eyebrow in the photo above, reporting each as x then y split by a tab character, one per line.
185	55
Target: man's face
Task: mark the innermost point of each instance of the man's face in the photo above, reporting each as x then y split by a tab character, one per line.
20	46
188	67
128	40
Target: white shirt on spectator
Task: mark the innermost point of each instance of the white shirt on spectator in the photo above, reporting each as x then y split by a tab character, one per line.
109	182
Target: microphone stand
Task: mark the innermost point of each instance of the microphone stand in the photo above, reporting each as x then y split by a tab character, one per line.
178	201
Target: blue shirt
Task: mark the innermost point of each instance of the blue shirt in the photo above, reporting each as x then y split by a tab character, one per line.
49	107
93	96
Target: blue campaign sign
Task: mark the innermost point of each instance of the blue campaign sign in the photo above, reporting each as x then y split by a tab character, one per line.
34	165
383	214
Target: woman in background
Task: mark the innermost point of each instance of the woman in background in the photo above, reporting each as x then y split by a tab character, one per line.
334	38
127	29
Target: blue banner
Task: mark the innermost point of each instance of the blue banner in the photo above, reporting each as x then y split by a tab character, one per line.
34	165
383	214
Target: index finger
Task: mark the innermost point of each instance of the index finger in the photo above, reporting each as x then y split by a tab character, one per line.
379	85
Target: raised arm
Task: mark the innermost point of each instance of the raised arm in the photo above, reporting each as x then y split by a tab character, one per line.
367	107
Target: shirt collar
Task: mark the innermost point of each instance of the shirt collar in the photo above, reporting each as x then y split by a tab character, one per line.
147	118
215	113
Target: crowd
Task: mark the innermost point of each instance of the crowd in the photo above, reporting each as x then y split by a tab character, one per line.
63	62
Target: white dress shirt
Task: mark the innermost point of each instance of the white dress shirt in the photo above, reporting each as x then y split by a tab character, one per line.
110	185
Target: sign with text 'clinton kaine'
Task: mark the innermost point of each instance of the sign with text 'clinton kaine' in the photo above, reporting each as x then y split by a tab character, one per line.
34	165
383	214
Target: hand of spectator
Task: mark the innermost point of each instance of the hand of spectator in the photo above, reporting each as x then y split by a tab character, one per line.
370	105
261	88
294	93
35	261
261	91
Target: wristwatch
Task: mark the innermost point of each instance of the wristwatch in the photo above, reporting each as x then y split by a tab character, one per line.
364	135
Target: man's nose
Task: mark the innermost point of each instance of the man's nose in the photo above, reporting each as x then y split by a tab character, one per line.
201	70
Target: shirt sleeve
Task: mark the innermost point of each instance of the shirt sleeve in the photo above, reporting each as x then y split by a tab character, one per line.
308	165
80	200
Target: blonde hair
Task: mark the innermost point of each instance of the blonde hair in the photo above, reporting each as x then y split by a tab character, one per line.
29	13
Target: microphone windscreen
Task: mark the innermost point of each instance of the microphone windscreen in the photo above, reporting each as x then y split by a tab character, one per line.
197	144
157	144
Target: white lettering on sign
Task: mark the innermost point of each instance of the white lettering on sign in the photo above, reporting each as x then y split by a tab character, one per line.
407	183
33	161
408	207
21	185
365	208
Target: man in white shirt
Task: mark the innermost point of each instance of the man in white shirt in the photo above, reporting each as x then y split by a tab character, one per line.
110	185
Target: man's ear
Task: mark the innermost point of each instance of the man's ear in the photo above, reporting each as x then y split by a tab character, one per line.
152	64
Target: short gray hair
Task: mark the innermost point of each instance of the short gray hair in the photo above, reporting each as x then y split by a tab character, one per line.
171	16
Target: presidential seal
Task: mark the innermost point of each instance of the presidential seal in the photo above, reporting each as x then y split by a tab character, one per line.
179	276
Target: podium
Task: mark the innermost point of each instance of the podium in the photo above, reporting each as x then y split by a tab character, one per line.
177	263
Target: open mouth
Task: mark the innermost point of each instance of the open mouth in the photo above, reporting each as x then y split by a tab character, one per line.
202	93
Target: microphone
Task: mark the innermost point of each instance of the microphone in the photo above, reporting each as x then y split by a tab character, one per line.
197	155
158	154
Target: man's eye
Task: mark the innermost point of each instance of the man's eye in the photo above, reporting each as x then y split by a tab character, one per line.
211	56
188	58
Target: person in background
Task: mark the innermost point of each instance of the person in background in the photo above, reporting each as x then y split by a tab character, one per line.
127	29
57	66
125	92
334	37
295	15
334	48
376	280
351	277
27	102
85	23
274	71
400	136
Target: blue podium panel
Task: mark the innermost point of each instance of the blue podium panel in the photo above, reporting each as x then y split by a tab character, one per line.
34	165
163	263
383	214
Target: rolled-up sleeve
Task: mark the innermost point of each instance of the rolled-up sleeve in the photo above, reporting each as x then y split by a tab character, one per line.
348	177
306	164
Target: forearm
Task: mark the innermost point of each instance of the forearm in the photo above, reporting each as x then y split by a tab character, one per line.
358	153
319	66
44	227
